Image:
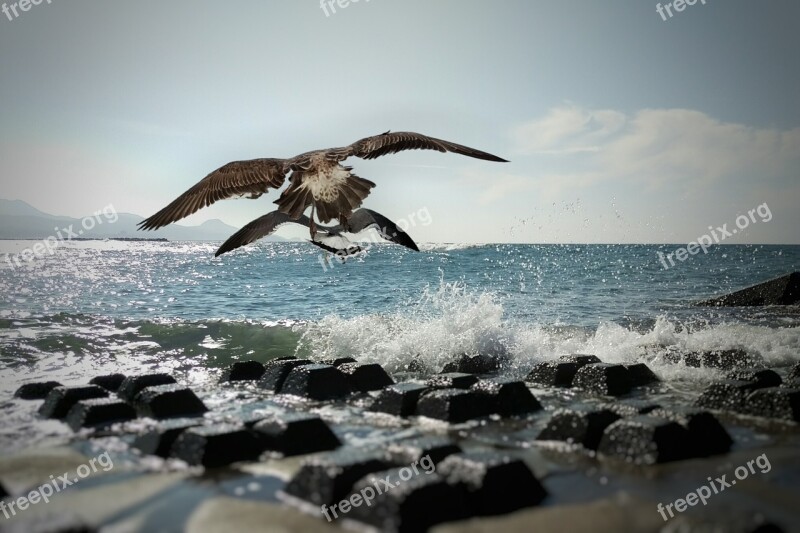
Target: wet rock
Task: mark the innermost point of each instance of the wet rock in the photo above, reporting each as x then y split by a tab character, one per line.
455	405
99	412
580	359
338	361
415	502
276	371
61	399
242	371
633	407
133	385
216	446
495	483
721	359
327	479
554	374
774	402
728	395
707	436
365	377
36	391
603	378
409	451
473	364
159	441
794	373
646	440
316	382
579	426
168	401
296	434
452	380
641	375
763	378
110	382
399	399
784	290
509	397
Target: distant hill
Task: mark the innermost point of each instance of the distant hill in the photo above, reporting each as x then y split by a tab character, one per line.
20	220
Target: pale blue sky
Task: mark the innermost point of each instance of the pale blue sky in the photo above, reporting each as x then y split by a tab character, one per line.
621	127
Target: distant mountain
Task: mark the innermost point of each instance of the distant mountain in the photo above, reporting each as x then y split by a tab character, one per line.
19	220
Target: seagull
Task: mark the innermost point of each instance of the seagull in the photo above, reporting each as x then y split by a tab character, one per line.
328	238
318	179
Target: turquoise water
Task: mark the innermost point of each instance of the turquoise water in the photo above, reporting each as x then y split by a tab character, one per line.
123	306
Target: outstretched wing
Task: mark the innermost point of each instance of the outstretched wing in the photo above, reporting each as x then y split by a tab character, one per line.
391	143
258	228
362	219
254	177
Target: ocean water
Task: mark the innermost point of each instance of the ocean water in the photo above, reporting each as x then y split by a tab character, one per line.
131	307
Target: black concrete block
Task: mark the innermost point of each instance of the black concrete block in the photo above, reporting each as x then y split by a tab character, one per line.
415	502
583	426
365	377
275	372
509	397
603	378
159	441
495	483
168	401
646	440
316	382
729	395
327	479
408	451
110	382
242	371
641	375
452	380
762	378
133	385
455	405
36	391
399	399
774	402
296	434
338	361
580	359
61	399
216	446
784	290
554	373
707	435
473	364
99	412
721	359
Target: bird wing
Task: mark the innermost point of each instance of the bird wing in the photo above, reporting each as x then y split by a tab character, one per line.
258	228
363	218
253	177
336	244
391	143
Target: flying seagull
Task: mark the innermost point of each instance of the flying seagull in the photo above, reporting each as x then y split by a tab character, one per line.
328	238
317	179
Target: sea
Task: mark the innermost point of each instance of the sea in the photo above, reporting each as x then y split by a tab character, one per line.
99	307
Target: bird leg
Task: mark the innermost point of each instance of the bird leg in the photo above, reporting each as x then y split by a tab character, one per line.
313	225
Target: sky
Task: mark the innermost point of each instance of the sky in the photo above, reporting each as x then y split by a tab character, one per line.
621	125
